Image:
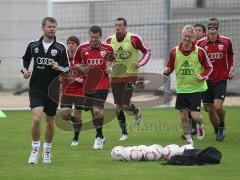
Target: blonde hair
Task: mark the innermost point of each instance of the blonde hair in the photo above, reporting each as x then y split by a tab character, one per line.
189	28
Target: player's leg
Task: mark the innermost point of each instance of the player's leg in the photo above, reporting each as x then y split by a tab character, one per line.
99	98
117	90
77	126
183	107
127	105
36	104
219	97
50	110
195	107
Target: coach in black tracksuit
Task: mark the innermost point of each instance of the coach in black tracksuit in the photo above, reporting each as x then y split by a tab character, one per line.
50	59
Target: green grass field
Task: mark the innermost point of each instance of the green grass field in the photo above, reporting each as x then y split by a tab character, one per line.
84	163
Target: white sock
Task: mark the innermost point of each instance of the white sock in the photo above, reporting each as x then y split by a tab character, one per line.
47	146
200	126
189	138
36	145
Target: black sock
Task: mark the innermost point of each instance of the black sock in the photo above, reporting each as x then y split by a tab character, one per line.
77	126
222	124
133	108
122	121
98	123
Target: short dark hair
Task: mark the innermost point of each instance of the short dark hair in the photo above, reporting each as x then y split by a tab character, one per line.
122	19
73	39
202	26
96	29
213	19
50	19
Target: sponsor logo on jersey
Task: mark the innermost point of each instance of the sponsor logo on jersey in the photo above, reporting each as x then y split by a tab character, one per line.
216	55
54	52
94	61
103	53
36	50
220	47
44	61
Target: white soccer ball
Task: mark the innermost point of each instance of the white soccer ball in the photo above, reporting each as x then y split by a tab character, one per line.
170	150
184	147
142	149
151	154
116	153
135	154
159	150
126	154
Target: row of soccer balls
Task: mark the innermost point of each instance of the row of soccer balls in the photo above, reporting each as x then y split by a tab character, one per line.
154	152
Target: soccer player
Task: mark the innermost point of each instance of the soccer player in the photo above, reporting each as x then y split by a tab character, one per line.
200	30
99	56
220	52
50	59
126	46
72	91
192	68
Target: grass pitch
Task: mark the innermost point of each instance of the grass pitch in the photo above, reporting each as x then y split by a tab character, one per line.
159	126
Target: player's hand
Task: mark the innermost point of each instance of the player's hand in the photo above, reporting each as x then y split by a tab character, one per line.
199	77
27	74
108	70
230	75
82	68
166	71
136	65
55	65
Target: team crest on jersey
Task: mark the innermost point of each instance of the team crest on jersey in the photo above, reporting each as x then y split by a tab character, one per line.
206	48
53	52
36	50
220	47
103	53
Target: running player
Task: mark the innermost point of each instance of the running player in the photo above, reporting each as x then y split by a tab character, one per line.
220	52
192	68
125	71
99	56
50	59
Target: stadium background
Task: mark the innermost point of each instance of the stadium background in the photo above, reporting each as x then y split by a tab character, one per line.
159	22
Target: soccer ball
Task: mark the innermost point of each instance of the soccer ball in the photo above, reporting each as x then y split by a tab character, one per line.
170	150
135	154
151	154
159	150
142	149
116	153
184	147
126	154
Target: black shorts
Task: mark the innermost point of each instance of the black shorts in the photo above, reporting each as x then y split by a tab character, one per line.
41	99
122	92
215	91
97	99
69	101
189	101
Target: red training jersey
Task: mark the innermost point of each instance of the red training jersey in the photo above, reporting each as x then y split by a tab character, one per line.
97	58
72	82
220	54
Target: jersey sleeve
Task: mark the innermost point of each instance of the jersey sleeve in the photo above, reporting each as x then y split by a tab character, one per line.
206	63
64	62
26	59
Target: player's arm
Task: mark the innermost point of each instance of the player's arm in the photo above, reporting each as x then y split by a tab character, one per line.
206	63
230	57
63	66
110	61
170	66
78	62
138	43
26	60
